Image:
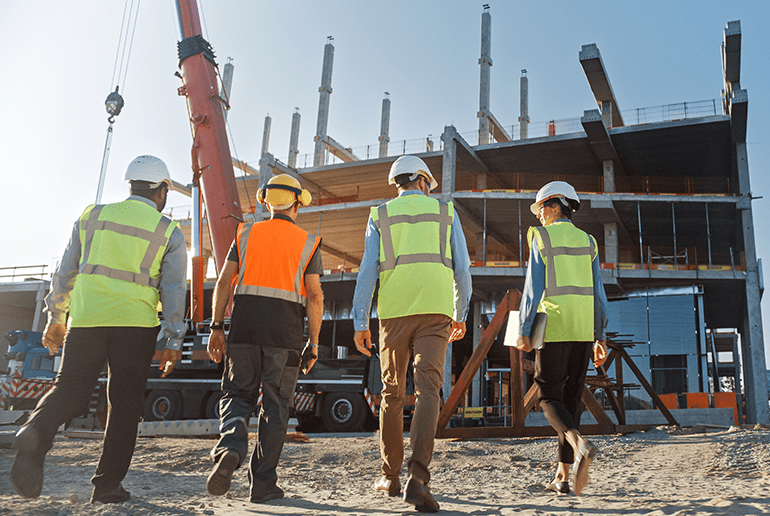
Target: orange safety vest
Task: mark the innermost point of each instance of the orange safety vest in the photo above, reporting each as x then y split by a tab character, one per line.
273	255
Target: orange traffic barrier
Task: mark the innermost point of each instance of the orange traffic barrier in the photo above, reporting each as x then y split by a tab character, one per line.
669	400
697	400
726	399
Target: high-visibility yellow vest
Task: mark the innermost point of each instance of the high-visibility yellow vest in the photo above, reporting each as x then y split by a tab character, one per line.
121	251
274	255
568	299
416	272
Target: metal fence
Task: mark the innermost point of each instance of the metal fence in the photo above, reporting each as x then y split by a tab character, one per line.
23	273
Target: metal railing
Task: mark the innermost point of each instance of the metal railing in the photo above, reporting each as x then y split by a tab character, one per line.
24	273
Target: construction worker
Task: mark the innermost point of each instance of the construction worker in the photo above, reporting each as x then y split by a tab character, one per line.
563	281
121	260
416	248
279	269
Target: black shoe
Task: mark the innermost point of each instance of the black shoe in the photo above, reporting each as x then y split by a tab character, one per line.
27	469
221	476
274	493
558	487
418	494
110	495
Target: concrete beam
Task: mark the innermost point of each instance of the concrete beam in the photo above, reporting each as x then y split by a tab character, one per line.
180	188
598	137
336	148
478	221
280	168
467	148
497	130
739	114
339	254
593	66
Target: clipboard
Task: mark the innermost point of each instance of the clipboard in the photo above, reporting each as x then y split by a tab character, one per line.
537	337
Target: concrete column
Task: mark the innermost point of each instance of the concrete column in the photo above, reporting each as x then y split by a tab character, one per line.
265	173
266	135
449	161
607	114
752	340
485	63
325	91
523	106
227	83
39	321
294	140
385	126
609	175
476	383
610	242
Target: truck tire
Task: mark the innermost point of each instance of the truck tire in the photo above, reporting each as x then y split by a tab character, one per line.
162	405
343	411
212	405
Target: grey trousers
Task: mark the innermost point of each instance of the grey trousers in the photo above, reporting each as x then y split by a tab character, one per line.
247	366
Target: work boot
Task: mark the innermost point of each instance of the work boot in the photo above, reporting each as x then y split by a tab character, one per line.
110	495
274	493
221	476
418	494
27	469
390	486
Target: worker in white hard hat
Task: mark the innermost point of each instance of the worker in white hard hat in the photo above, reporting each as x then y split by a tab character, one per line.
278	269
416	248
121	260
563	281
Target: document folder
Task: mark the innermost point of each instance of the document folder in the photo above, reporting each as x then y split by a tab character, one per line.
536	338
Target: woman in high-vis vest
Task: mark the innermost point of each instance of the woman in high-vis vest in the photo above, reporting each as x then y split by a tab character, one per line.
563	281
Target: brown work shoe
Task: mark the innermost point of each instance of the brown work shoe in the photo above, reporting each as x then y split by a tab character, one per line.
221	476
418	494
390	486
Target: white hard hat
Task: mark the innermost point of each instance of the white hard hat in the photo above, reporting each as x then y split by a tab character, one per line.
556	189
150	169
413	166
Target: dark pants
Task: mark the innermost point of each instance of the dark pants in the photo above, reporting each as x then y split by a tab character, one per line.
560	372
246	367
128	352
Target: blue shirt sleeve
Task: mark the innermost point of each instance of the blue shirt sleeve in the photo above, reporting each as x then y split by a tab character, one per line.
534	286
462	270
366	280
57	302
173	291
600	303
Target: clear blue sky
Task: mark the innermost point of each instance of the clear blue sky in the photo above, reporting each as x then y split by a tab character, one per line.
60	55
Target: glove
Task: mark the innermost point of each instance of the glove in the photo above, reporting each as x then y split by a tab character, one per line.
308	358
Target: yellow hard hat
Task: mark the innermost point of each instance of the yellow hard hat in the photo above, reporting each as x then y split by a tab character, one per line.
283	189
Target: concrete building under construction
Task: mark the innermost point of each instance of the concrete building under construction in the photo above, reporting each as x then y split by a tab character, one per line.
665	191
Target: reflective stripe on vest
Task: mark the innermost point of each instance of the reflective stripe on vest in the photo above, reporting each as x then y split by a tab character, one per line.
298	294
384	223
549	253
156	240
415	261
568	298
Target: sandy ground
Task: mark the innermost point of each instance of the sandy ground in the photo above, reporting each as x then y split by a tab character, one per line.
659	472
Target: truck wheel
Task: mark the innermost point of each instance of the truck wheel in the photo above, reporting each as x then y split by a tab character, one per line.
212	405
343	411
162	405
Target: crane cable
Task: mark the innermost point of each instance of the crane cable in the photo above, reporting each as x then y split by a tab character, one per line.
114	102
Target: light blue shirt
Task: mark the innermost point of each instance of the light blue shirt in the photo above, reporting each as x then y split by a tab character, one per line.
534	286
172	289
369	271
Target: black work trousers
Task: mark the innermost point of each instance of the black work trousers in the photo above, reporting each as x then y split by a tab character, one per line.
128	352
247	366
560	372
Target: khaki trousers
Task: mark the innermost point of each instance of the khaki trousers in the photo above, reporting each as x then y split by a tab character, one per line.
426	338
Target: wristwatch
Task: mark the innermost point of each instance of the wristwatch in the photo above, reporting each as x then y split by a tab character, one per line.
217	325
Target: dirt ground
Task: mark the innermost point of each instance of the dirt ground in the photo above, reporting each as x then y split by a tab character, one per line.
659	472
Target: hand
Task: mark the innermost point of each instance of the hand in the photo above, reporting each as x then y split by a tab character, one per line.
600	353
523	344
53	337
309	357
363	341
217	345
458	331
168	359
